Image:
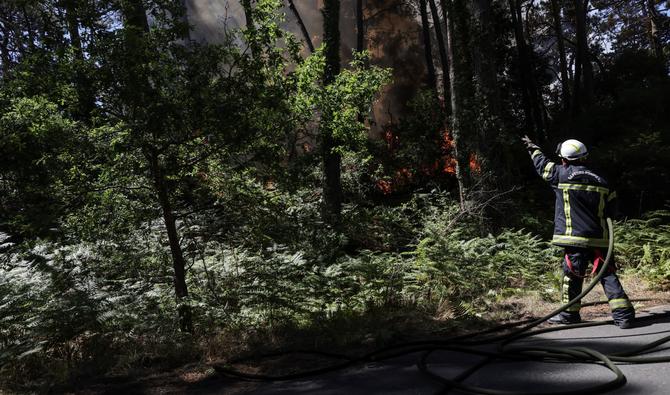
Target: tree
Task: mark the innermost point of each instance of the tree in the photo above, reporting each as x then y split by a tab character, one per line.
332	187
529	90
562	59
152	136
360	27
583	89
301	24
427	46
458	80
441	45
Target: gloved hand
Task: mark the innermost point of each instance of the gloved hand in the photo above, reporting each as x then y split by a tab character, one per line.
529	144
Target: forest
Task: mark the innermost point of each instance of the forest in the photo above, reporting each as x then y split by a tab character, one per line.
188	181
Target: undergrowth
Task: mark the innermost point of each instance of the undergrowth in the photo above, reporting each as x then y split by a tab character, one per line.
643	246
70	310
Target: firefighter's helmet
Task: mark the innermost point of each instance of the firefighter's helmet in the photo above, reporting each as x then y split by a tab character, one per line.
572	149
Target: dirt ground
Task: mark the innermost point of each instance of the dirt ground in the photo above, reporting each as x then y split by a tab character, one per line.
202	378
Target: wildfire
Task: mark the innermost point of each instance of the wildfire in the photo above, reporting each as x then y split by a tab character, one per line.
384	186
475	164
447	141
449	165
450	162
448	159
445	165
391	139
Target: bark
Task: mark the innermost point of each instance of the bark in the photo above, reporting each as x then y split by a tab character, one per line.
654	21
484	62
427	45
4	51
86	96
583	67
529	90
443	51
332	190
29	26
563	63
136	20
301	24
360	27
493	157
178	262
250	25
455	76
184	20
73	26
135	16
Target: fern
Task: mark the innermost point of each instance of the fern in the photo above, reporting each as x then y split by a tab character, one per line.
644	246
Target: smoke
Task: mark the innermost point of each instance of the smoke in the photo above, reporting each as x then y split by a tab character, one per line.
393	37
212	20
394	40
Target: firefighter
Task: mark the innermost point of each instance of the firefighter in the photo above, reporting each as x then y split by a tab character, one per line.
583	202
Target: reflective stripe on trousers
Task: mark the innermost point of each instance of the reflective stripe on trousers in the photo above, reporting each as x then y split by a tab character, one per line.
573	281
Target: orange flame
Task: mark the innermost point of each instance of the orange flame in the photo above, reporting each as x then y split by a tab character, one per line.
384	186
449	165
447	146
447	141
475	164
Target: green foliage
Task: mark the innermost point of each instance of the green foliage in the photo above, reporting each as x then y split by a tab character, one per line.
35	142
66	309
349	97
101	140
457	265
341	103
643	245
420	133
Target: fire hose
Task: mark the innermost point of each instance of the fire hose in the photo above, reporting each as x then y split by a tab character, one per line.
506	350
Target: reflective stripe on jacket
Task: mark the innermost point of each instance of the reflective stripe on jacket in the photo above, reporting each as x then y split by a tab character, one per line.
583	201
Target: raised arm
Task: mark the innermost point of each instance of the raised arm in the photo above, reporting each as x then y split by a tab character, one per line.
543	166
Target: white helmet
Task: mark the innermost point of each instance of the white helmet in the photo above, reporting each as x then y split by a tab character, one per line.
572	149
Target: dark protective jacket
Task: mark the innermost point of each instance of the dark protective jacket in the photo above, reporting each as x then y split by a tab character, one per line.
583	202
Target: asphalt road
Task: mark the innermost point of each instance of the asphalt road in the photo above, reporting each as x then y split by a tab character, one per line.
401	375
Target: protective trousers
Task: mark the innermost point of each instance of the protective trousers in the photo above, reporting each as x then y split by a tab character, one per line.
575	262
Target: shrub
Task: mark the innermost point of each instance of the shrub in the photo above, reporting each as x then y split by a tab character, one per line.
456	265
643	245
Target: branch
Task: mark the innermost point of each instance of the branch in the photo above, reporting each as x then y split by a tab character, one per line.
303	28
592	56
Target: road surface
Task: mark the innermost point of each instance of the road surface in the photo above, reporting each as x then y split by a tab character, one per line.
401	375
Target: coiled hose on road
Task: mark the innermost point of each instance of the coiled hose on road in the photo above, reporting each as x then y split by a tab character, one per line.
505	351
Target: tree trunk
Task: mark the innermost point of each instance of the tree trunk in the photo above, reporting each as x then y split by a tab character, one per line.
491	148
485	70
29	27
443	53
583	67
427	45
183	18
136	20
4	51
301	24
455	82
654	21
332	190
251	27
563	63
178	262
86	96
360	27
529	90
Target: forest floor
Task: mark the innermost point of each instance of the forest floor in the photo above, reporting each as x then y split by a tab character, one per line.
197	378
